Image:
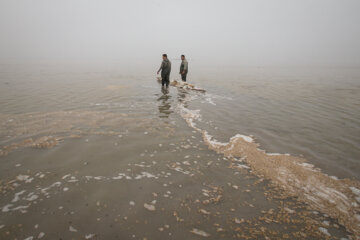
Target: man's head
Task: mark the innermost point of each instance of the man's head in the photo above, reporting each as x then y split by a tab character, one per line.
164	56
182	57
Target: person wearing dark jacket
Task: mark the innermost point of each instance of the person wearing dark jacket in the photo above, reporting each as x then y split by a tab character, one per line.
165	69
183	68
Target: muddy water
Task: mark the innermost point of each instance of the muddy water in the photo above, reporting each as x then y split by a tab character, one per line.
104	155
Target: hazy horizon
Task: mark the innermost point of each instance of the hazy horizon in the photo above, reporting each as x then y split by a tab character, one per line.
136	33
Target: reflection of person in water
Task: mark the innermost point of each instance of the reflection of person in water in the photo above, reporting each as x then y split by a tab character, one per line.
182	96
164	106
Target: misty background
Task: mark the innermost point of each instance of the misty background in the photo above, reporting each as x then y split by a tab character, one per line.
136	32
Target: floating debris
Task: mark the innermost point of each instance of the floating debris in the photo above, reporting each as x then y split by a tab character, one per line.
289	210
17	196
72	229
203	211
89	236
149	207
25	178
178	219
239	221
200	232
41	235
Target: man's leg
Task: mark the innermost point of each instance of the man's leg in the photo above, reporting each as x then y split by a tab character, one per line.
163	79
167	79
183	77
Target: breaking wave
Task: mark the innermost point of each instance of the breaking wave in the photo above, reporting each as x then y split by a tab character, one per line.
338	198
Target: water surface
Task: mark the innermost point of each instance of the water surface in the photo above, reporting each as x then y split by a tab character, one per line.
104	154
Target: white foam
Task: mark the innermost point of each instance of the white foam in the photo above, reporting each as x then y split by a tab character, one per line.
72	229
88	236
273	154
244	137
200	232
324	231
17	196
209	100
20	208
25	178
98	177
41	235
65	176
55	184
189	115
307	165
117	177
149	207
145	174
179	169
7	207
32	197
212	141
73	180
141	165
355	191
242	166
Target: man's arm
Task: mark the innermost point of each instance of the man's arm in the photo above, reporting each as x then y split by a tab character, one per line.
185	66
161	67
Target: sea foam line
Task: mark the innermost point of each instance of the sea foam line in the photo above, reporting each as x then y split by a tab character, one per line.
338	198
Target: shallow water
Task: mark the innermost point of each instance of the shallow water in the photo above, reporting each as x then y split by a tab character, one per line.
312	112
89	154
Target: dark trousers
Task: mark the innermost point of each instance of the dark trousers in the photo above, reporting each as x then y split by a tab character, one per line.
183	77
165	79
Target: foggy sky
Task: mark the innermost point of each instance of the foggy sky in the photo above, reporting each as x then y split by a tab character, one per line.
229	32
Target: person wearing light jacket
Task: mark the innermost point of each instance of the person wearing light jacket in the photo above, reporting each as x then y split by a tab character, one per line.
183	68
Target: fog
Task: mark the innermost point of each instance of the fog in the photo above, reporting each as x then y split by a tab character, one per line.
137	32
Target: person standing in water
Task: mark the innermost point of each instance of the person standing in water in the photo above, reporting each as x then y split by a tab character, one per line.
165	69
183	68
